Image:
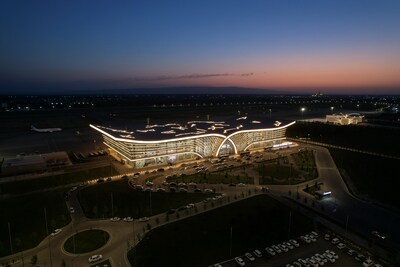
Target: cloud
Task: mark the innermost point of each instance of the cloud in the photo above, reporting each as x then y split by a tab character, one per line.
193	76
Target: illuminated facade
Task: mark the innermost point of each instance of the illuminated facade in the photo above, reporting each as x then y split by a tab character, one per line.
344	119
188	141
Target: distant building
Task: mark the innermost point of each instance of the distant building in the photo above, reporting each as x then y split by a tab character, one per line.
174	142
34	163
23	164
344	119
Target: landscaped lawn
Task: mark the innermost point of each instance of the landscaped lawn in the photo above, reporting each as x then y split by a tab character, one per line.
26	217
86	241
20	187
204	239
97	201
304	159
220	177
281	172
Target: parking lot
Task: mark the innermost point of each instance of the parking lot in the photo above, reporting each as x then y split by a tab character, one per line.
303	251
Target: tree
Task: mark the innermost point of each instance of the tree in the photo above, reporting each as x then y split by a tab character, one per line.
34	259
95	211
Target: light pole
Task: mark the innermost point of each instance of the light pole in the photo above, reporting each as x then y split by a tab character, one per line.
332	108
9	235
302	112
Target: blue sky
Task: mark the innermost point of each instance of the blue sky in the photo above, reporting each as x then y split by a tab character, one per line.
282	44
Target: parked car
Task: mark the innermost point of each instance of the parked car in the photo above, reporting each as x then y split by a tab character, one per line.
249	256
144	219
95	258
115	219
322	258
304	263
333	254
240	261
314	233
329	257
341	246
56	232
71	210
288	245
294	243
257	253
351	252
283	247
277	249
360	257
368	263
270	251
128	219
335	241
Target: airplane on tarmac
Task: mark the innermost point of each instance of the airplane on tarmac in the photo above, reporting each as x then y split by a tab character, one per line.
46	130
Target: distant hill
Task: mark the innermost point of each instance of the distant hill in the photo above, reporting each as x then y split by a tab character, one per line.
184	90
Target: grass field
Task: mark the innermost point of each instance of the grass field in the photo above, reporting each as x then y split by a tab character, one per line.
86	241
374	176
220	177
25	186
96	201
304	159
27	221
205	239
276	171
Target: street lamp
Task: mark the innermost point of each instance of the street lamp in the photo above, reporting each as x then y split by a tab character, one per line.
332	108
302	111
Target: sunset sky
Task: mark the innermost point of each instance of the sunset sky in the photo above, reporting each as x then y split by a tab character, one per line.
330	46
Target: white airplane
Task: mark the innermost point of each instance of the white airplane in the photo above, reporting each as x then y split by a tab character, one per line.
47	130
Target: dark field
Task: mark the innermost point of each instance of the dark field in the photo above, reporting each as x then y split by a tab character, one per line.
27	219
20	187
205	238
96	201
373	176
373	139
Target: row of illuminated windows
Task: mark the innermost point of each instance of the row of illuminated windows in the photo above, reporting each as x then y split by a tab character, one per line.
204	146
242	140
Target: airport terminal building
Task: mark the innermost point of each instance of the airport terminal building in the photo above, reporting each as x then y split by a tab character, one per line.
176	142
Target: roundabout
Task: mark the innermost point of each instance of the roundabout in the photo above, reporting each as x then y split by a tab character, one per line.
86	241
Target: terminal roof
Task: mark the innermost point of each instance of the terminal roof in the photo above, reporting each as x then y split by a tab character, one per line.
173	130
